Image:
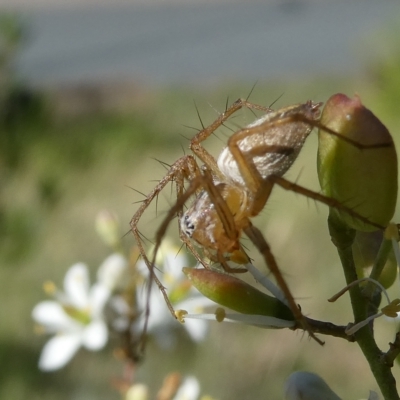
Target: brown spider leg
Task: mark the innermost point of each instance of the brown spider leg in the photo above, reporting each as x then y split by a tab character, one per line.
331	202
226	217
358	145
300	118
317	124
222	260
254	180
251	174
261	190
291	186
184	168
259	241
247	168
179	194
204	181
195	143
245	160
195	184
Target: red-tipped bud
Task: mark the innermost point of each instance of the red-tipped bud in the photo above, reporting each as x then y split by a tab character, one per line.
364	177
235	294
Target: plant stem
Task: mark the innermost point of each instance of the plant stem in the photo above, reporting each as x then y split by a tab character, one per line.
343	237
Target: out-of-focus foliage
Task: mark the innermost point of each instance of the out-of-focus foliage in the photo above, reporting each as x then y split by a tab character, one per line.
386	78
20	107
33	138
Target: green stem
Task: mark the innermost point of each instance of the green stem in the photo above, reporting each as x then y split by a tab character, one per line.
343	237
371	291
381	258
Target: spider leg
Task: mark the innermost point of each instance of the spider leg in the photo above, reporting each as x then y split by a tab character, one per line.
200	151
259	141
358	145
263	189
270	145
262	186
272	137
226	217
331	202
183	169
204	181
263	247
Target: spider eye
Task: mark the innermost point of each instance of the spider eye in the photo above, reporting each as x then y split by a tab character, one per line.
187	225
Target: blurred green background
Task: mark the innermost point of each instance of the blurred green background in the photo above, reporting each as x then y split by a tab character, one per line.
67	154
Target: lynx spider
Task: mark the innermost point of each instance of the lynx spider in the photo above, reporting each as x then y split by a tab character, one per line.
235	187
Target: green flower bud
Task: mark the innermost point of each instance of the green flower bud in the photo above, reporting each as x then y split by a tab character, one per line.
107	227
235	294
363	179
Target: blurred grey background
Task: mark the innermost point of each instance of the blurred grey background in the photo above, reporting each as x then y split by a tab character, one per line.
169	42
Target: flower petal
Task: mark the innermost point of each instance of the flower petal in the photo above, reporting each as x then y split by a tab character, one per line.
189	390
173	261
261	321
111	271
267	283
119	305
160	316
196	303
76	285
120	308
58	351
52	316
138	391
197	329
95	335
99	295
169	259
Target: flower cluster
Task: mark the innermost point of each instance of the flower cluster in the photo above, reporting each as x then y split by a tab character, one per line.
80	315
174	387
76	314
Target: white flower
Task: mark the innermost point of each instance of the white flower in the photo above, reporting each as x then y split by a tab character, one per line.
189	389
76	318
161	325
111	272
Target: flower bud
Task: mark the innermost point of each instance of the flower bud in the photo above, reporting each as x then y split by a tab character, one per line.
363	179
107	227
235	294
137	391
